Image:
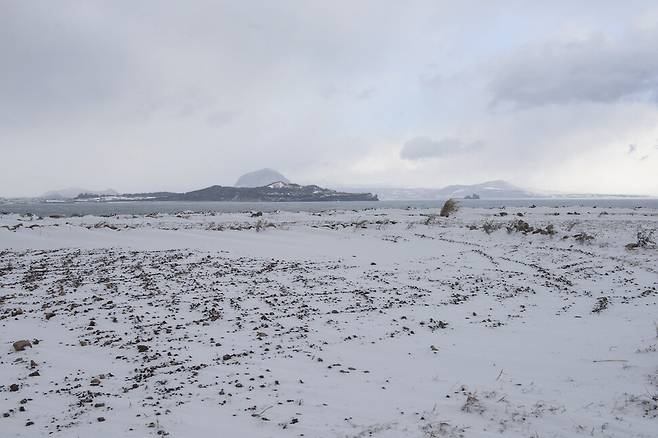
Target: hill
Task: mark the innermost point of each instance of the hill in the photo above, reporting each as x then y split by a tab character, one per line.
278	191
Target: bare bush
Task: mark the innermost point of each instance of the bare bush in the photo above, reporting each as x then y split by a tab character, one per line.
583	237
431	219
570	225
472	404
490	226
519	226
601	304
644	240
449	207
262	224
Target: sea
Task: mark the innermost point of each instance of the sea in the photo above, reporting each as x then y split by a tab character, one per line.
67	209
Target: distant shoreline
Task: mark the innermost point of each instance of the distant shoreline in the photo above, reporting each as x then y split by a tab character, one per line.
173	207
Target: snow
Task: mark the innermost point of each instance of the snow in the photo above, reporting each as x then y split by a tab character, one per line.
278	185
383	323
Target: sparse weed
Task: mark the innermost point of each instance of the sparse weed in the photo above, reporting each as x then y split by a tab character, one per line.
472	404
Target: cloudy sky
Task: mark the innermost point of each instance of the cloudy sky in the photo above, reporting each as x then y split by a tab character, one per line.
170	95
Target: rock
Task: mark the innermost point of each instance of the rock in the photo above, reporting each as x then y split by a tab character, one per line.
95	382
34	374
33	364
142	348
22	344
13	387
49	315
100	419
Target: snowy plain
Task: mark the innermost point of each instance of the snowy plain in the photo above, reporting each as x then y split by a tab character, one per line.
381	322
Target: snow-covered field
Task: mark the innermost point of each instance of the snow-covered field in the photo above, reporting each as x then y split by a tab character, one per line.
382	323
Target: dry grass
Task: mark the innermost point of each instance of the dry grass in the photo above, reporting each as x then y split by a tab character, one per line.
451	206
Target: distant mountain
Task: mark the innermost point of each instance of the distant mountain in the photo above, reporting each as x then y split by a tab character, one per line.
491	189
260	178
74	192
277	191
488	190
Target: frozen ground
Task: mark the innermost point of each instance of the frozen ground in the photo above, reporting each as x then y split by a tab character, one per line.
382	323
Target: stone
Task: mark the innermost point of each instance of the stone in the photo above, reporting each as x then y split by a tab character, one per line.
22	344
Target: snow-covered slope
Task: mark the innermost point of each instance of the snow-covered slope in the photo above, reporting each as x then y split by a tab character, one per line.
382	323
260	178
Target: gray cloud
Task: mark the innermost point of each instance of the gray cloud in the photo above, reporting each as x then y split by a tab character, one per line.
424	147
51	64
167	95
221	117
596	69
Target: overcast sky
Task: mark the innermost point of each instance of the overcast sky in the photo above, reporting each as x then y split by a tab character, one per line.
172	95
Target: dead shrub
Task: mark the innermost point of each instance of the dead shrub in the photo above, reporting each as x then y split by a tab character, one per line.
431	219
601	304
570	225
519	226
583	238
262	224
473	404
490	226
644	239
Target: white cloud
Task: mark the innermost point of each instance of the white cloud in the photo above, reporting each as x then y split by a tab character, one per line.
595	69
